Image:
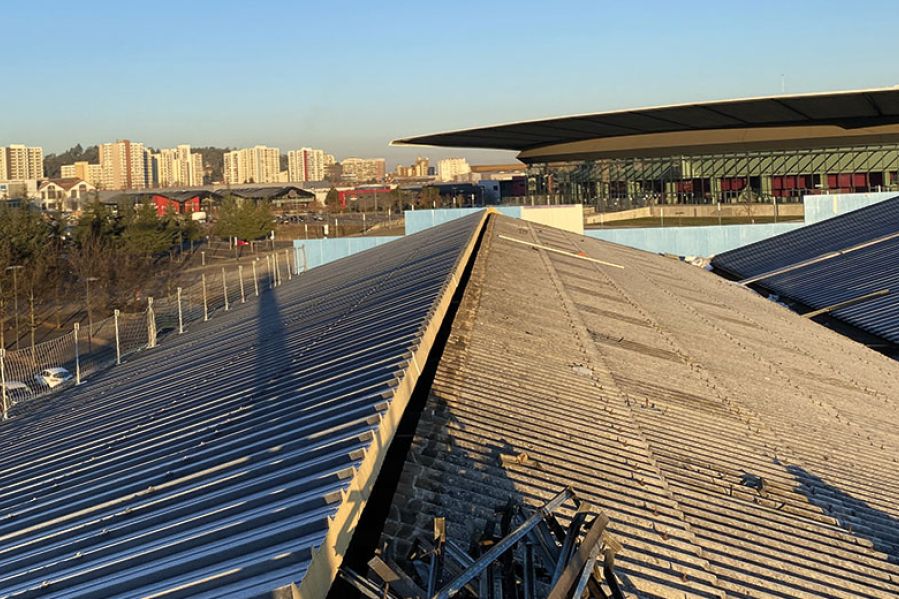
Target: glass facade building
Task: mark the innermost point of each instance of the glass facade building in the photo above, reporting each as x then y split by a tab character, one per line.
773	176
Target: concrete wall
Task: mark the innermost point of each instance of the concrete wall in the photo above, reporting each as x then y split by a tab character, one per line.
793	210
322	251
568	217
692	241
599	218
822	207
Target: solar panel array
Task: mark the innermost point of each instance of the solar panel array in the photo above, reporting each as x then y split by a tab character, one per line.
211	466
809	242
842	277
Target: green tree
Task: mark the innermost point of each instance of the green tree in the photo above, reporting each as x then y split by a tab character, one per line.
395	200
144	234
24	234
243	219
332	200
97	223
189	229
429	197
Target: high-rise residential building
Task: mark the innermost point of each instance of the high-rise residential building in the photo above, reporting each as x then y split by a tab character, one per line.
306	164
125	165
363	170
420	168
178	167
199	168
450	168
21	163
92	173
259	164
417	170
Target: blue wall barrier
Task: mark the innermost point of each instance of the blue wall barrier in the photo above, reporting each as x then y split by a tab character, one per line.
692	241
681	241
711	240
322	251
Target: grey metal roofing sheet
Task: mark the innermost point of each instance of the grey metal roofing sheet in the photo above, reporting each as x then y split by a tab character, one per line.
851	109
848	277
215	464
811	241
739	449
267	192
836	279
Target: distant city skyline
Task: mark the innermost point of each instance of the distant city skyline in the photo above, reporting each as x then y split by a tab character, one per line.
383	71
400	155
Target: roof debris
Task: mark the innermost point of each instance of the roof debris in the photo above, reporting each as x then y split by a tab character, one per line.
521	553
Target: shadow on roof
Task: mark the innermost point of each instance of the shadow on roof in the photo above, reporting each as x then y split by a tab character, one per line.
272	355
852	514
471	495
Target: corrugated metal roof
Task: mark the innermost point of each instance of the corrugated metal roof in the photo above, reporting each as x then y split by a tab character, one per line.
738	449
267	193
830	235
833	261
217	464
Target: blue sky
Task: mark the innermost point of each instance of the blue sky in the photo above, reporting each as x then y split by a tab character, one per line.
351	76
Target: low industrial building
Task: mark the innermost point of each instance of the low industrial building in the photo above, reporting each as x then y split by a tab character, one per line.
283	197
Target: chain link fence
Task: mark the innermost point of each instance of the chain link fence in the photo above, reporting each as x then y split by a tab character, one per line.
67	360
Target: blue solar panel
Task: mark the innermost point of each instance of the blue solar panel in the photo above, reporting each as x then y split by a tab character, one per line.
809	242
848	277
839	278
211	465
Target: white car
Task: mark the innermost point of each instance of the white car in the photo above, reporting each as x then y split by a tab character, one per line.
53	377
16	391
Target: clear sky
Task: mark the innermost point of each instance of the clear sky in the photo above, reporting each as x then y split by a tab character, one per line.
350	76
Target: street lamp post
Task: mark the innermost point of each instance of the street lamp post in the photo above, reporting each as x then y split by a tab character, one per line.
90	314
15	291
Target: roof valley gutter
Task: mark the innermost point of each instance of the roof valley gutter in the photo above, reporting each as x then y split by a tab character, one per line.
328	557
369	531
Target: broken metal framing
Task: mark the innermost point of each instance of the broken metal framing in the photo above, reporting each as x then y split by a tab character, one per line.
534	557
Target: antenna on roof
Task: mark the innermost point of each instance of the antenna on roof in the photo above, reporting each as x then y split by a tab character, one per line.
783	84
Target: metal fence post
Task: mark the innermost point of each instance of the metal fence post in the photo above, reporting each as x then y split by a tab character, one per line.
180	314
203	258
277	269
243	296
77	357
118	348
151	324
255	279
205	301
5	404
275	273
225	288
287	259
